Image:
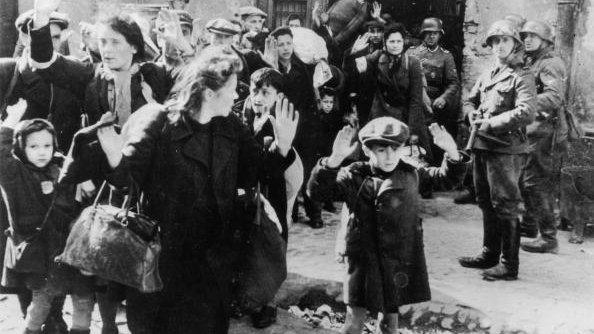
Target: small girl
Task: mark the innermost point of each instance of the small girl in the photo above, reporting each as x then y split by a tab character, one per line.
39	210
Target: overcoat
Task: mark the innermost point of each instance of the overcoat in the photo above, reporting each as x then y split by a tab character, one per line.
384	236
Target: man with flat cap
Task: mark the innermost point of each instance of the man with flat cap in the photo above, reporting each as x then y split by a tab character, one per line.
252	18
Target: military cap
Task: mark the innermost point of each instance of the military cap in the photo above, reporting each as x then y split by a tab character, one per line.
23	21
222	27
185	18
251	11
384	130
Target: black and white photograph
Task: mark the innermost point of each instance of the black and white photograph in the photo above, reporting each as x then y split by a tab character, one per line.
297	166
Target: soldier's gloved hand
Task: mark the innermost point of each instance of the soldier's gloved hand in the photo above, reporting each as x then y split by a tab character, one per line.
439	103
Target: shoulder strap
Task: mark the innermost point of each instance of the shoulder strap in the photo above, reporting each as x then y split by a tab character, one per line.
45	218
8	93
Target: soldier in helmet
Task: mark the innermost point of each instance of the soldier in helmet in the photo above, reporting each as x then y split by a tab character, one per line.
441	75
547	137
499	107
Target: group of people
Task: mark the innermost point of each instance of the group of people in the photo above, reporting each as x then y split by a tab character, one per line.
191	114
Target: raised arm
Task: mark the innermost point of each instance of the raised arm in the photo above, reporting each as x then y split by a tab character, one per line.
66	72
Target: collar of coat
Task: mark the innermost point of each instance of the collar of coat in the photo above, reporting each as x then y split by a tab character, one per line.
225	137
405	165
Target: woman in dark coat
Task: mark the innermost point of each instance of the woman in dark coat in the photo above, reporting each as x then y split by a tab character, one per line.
121	83
189	158
397	80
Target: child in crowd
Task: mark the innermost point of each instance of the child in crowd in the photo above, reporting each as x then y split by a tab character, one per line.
267	86
383	238
39	210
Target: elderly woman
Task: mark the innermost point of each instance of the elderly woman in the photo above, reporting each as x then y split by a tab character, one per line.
500	106
189	157
397	80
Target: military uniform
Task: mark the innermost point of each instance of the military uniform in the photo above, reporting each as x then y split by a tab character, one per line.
504	98
547	137
442	81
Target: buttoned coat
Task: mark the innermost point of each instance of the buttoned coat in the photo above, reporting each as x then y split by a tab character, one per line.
384	237
506	97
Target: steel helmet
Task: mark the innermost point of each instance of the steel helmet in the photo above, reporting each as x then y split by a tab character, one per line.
432	24
538	28
503	28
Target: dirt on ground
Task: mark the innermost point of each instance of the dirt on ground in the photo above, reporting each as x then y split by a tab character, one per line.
554	292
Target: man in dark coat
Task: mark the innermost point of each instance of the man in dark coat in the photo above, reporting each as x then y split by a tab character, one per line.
547	137
299	89
44	99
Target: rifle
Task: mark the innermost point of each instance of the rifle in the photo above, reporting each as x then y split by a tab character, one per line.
475	131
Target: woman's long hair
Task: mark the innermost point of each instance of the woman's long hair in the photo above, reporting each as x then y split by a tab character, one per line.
211	70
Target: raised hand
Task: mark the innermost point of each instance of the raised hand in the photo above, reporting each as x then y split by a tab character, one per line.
169	29
344	145
43	10
14	113
376	11
46	6
270	52
284	124
361	43
444	140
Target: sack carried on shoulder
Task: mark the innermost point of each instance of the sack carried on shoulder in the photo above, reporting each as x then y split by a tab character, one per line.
116	244
264	260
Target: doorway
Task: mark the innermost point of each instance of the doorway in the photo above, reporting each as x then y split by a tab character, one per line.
451	12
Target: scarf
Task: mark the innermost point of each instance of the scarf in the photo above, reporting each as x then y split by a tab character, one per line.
119	91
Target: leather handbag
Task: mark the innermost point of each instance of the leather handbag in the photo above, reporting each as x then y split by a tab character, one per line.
116	244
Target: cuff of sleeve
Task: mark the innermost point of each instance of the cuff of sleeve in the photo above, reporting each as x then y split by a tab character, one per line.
41	66
42	49
464	158
323	162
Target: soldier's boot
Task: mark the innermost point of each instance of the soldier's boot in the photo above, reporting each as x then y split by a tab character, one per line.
528	230
510	247
539	209
491	245
541	245
541	203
